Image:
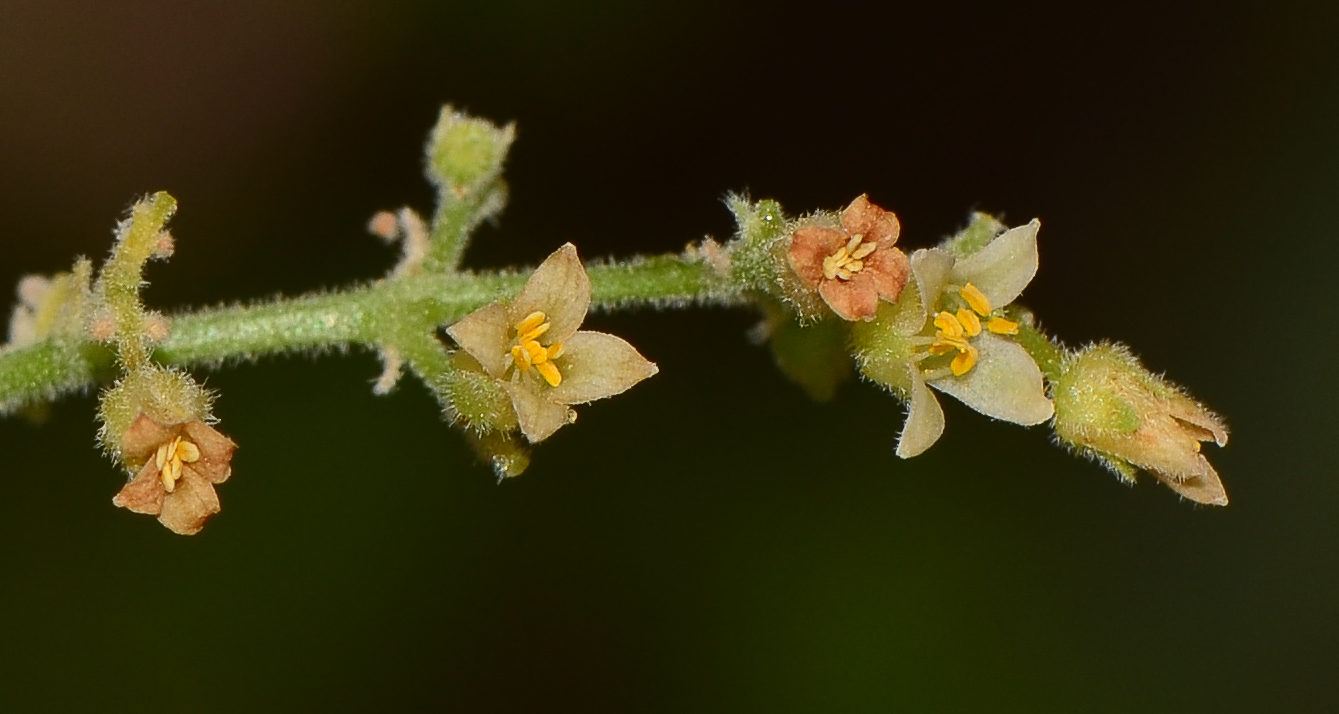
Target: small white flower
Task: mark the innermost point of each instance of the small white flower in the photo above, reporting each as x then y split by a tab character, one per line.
531	346
953	337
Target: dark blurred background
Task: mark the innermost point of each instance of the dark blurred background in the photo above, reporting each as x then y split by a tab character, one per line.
712	541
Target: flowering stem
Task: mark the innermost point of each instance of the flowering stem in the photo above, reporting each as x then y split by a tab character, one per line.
1048	355
402	311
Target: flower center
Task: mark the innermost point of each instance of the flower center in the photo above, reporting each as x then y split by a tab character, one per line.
171	456
848	259
953	330
526	351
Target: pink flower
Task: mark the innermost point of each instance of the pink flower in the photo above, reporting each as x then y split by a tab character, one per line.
852	268
181	464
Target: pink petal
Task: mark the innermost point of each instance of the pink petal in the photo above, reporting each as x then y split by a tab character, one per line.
193	501
854	299
809	247
144	437
889	271
1206	489
216	451
873	222
144	493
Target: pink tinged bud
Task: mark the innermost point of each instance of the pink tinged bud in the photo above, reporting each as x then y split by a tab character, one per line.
1110	407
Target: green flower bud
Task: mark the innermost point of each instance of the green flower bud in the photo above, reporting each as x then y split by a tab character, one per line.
167	396
1109	407
465	154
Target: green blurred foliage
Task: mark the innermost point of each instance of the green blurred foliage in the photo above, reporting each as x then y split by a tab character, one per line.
711	541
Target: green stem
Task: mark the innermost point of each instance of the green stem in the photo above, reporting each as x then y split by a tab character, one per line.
375	315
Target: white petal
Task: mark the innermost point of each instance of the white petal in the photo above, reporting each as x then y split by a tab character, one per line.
1005	383
483	334
560	289
930	267
1004	267
925	419
538	416
595	365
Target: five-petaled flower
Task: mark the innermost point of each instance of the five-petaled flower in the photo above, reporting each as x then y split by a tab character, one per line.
854	266
949	334
180	465
531	346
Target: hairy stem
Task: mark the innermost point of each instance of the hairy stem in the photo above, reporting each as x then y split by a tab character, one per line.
376	314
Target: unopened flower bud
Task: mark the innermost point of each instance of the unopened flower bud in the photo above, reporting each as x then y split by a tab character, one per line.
1109	407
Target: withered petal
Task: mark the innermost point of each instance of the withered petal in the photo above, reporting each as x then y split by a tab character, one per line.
889	269
194	500
871	221
1206	488
144	493
809	247
854	299
145	436
216	451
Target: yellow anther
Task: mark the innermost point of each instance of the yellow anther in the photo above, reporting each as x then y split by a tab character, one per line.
964	362
520	357
949	326
527	352
976	299
535	352
550	373
169	459
160	457
188	452
531	321
970	322
534	333
848	259
1001	326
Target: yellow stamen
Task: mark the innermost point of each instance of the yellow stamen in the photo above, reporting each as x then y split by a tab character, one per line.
970	322
964	362
949	326
527	352
170	458
521	357
531	321
535	352
976	299
550	373
1001	326
864	250
848	260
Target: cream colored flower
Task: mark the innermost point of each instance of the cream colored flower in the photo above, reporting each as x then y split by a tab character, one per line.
949	334
531	346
